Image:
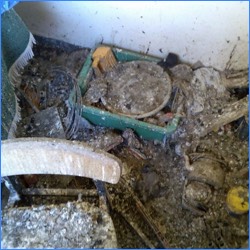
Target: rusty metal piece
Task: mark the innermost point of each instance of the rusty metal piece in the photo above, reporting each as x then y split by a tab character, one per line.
177	106
30	179
55	156
58	192
26	97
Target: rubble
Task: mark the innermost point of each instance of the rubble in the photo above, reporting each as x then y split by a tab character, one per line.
173	193
71	225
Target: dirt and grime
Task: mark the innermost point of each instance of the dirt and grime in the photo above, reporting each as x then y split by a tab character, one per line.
50	226
129	86
147	205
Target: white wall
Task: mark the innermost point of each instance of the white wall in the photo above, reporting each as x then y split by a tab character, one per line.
205	31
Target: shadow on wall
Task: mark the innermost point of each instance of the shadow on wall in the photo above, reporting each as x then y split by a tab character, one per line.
39	17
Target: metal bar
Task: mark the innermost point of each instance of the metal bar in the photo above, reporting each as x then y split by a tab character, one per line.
102	192
59	192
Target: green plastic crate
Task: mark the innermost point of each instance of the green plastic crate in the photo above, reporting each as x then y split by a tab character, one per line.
107	119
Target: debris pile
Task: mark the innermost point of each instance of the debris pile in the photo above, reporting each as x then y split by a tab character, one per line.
44	92
136	89
172	194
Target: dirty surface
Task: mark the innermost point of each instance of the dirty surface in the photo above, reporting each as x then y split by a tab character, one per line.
45	123
93	228
157	173
135	89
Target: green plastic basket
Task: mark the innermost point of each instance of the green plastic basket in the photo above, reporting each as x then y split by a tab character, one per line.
107	119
